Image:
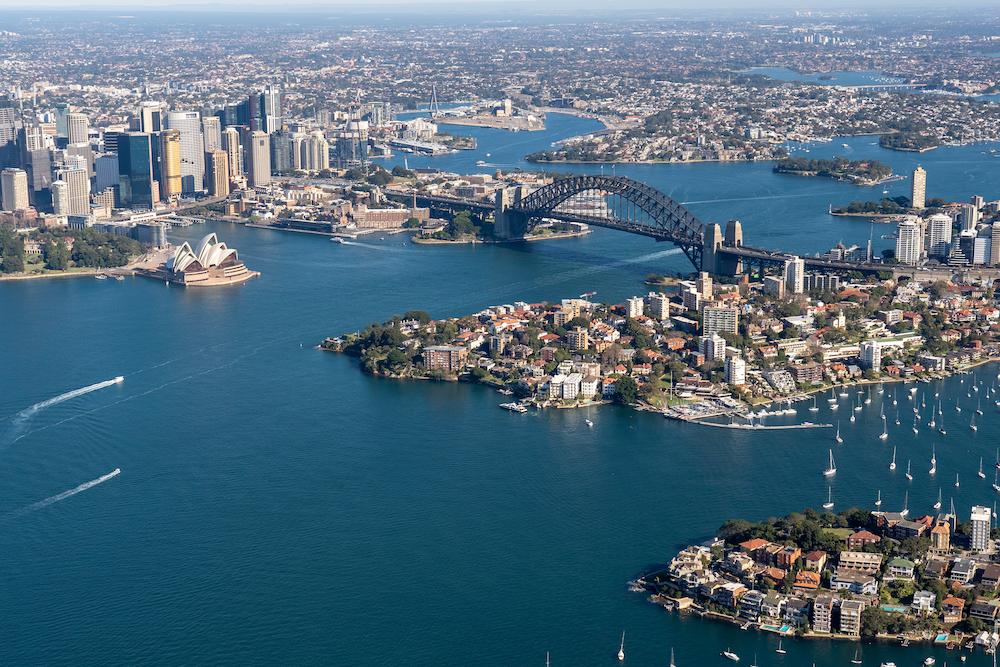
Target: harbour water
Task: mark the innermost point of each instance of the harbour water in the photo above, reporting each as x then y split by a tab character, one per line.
275	505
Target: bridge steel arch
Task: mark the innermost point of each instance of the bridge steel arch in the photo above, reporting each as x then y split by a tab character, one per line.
668	219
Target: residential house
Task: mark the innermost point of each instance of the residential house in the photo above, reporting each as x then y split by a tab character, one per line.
923	602
900	568
951	609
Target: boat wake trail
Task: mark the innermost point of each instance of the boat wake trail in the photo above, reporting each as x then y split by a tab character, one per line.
65	494
756	198
31	411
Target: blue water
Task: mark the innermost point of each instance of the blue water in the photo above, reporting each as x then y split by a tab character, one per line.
275	505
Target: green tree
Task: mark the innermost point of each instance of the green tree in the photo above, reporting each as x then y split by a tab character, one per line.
56	255
626	390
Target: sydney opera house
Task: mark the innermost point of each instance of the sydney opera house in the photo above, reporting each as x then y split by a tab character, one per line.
213	263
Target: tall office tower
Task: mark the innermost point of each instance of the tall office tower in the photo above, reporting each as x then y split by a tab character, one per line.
10	128
77	191
79	153
259	152
217	173
33	138
148	118
234	152
270	109
77	128
136	186
14	189
62	110
251	110
319	151
795	273
977	201
918	196
299	151
188	123
282	161
110	140
970	217
982	245
170	164
39	169
995	244
212	129
60	198
980	520
939	227
909	242
105	171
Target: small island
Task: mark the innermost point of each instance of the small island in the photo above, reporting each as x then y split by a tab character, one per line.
858	172
918	142
850	575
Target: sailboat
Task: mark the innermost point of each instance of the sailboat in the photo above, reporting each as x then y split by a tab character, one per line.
832	468
884	435
852	418
837	437
881	390
672	663
908	475
906	502
754	663
956	480
828	505
857	656
958	408
915	429
814	408
878	499
941	427
981	474
780	650
897	417
996	482
843	394
546	659
972	424
933	469
729	655
621	649
979	407
892	464
857	406
868	398
937	505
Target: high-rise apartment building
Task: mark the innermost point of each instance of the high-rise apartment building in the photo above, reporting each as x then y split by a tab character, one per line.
795	273
77	191
918	194
939	229
719	320
14	189
234	151
60	197
211	128
980	520
909	242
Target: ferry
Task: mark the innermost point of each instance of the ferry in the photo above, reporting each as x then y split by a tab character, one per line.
514	407
119	379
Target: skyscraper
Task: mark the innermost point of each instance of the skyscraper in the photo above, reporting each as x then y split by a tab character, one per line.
980	520
909	242
77	128
939	228
188	123
918	196
14	189
60	198
234	152
212	129
217	173
77	191
270	109
259	152
795	273
148	118
170	164
135	170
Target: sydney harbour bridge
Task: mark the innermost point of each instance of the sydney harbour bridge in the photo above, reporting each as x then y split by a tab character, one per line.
628	205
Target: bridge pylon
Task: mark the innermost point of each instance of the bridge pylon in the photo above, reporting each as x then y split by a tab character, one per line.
508	223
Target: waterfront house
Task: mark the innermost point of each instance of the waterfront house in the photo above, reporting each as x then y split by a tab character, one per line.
985	610
796	611
936	568
729	594
750	605
773	605
850	617
899	568
923	602
951	609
